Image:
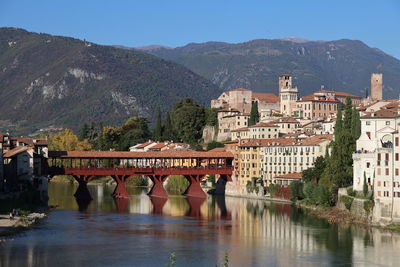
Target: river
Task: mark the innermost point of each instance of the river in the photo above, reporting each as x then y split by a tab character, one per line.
144	232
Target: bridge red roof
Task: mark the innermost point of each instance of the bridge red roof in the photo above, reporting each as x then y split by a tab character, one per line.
128	154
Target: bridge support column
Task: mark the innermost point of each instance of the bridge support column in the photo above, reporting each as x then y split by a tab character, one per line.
194	206
83	192
120	191
158	204
194	189
221	184
158	189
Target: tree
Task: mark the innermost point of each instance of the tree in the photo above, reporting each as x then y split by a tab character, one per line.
366	93
355	124
188	120
108	138
134	131
168	133
254	116
67	140
348	114
158	129
84	132
339	122
211	116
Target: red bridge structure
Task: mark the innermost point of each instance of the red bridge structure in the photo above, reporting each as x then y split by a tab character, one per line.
121	165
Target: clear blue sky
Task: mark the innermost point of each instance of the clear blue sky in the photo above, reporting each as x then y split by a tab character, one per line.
178	22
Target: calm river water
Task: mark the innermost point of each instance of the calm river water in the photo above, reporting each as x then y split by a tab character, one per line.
144	232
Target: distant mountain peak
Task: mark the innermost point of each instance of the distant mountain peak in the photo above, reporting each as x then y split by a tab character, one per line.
299	40
152	47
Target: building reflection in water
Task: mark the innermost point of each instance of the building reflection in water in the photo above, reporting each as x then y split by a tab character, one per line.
270	233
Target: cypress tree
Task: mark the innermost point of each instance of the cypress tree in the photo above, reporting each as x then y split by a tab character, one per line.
339	123
348	114
355	124
366	93
158	129
254	116
168	132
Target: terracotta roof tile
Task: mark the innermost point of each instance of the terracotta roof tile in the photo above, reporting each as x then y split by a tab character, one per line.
243	129
285	120
15	151
266	97
263	124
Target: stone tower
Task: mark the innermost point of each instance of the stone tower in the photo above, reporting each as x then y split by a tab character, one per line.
287	95
376	86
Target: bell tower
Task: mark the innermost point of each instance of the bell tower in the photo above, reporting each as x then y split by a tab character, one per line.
376	86
287	94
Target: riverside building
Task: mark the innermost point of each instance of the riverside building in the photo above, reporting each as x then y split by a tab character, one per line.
376	160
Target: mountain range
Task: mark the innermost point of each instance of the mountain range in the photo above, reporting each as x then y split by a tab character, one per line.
342	65
51	81
59	81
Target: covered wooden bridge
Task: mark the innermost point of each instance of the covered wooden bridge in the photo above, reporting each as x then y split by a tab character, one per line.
121	165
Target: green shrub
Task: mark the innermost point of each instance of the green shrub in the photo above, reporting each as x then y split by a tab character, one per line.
368	206
347	201
309	189
365	186
137	180
351	192
296	190
249	187
273	189
322	196
177	184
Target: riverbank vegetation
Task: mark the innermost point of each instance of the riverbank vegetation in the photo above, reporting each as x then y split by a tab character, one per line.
176	184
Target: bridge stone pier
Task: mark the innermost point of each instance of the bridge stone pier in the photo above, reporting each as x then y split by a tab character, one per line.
121	165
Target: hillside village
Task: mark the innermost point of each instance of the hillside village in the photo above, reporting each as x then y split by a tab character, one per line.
291	132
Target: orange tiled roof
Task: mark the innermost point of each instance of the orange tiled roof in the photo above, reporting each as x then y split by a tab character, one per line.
266	97
159	145
382	113
263	124
285	120
15	151
243	129
145	144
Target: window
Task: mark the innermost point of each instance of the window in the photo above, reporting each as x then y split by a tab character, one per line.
368	134
367	123
368	164
387	171
379	183
387	122
397	172
396	141
397	156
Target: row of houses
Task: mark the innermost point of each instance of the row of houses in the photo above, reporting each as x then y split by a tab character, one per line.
23	164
